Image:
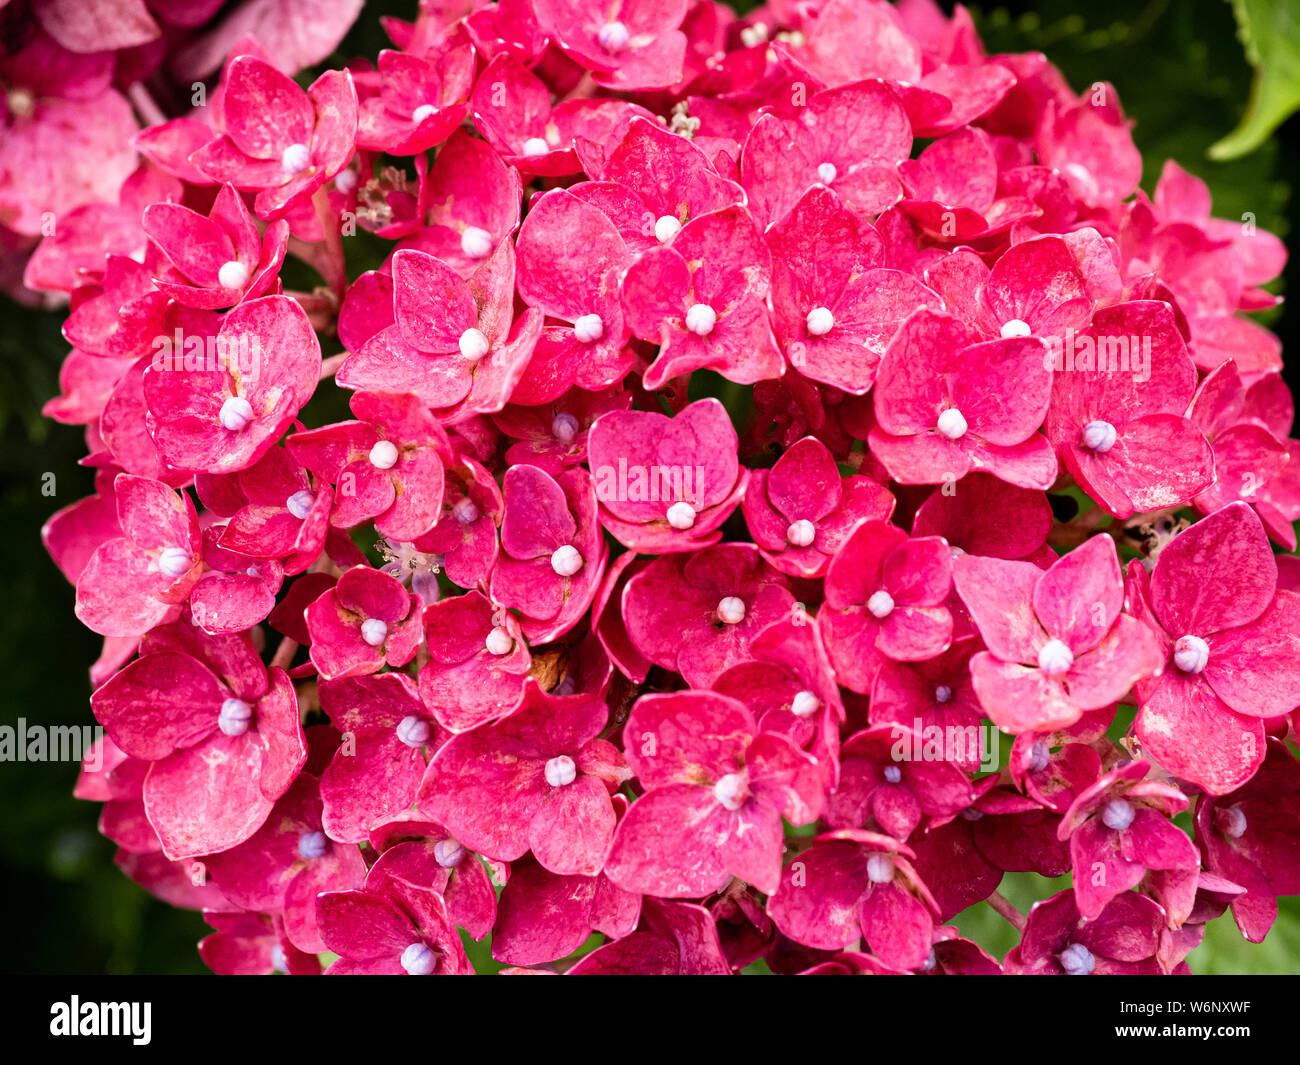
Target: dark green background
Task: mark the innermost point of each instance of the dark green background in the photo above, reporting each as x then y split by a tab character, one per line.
1179	70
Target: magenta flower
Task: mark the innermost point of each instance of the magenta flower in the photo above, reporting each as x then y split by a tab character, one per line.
279	513
420	101
1248	430
278	139
219	259
236	592
698	613
455	343
982	515
946	404
852	884
850	139
538	779
392	928
137	579
885	785
224	747
287	863
571	266
376	771
477	663
933	694
473	201
884	599
512	109
51	159
1058	941
629	44
1045	286
554	435
666	484
952	190
801	511
119	313
1230	641
552	554
835	304
221	411
463	541
1119	425
387	465
672	939
1058	644
716	790
1089	141
425	853
651	183
1120	832
365	620
791	689
1248	837
543	916
703	298
252	944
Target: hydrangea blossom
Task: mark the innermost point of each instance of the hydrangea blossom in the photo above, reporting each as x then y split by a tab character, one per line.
701	438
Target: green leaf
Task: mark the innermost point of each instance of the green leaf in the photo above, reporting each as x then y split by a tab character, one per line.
1269	30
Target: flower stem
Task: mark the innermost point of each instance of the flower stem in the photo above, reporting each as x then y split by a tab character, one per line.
999	903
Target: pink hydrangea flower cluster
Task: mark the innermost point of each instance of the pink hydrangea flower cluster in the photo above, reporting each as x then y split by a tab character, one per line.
538	639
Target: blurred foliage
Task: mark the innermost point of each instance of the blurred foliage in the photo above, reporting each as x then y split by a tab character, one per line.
1270	32
1180	71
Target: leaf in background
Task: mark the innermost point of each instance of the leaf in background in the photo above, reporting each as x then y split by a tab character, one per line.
1270	32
